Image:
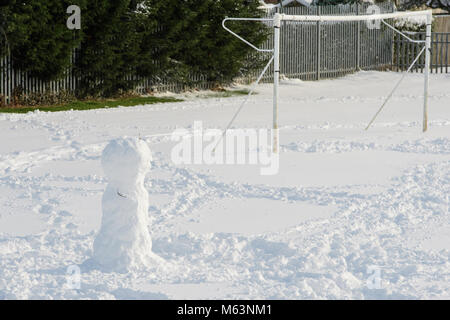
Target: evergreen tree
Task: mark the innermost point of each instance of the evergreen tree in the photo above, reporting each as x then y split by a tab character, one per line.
108	54
215	52
162	25
38	37
190	36
5	13
123	37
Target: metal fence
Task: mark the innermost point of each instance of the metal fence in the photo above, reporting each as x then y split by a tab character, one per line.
319	50
406	52
13	81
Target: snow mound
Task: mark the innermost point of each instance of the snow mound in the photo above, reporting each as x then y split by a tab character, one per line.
123	243
288	81
410	22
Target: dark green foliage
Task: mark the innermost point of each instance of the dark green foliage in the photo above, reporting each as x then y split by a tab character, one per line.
109	51
3	37
190	37
38	38
4	13
123	38
216	52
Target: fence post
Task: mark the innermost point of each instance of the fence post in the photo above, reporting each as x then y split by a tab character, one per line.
318	47
446	53
427	70
358	41
276	78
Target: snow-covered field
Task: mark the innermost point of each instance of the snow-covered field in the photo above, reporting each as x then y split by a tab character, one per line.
351	214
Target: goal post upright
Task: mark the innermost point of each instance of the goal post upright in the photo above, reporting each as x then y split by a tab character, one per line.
276	79
427	70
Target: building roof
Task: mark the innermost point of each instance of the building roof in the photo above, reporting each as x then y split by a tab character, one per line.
285	3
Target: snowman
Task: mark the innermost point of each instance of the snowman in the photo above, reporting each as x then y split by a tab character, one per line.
123	243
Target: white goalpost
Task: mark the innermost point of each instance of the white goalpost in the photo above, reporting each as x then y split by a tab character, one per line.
277	25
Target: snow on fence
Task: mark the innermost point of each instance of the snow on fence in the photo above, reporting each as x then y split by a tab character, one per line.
320	50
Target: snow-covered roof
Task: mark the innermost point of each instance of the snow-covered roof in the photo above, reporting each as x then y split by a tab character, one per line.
285	3
265	5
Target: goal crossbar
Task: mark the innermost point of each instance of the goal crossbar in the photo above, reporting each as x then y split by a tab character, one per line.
277	25
380	16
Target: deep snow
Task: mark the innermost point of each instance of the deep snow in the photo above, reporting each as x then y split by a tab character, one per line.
351	214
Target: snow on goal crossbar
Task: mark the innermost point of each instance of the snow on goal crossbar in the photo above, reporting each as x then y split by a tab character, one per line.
277	25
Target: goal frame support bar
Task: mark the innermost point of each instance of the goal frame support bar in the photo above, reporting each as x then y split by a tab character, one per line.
427	70
380	16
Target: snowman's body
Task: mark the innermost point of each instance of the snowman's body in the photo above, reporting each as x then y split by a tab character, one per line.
124	242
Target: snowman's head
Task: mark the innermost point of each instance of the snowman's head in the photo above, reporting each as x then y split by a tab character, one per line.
126	159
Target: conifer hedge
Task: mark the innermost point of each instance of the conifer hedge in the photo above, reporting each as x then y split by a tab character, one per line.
153	38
